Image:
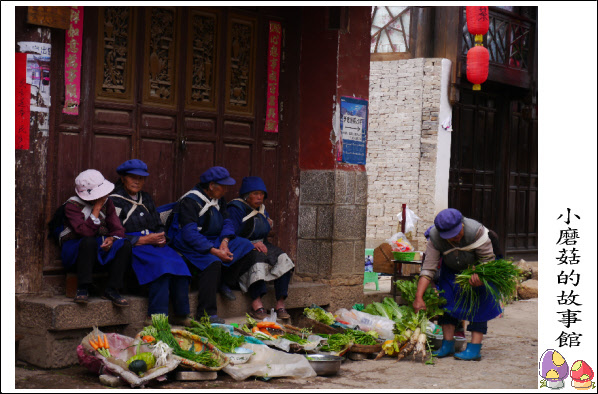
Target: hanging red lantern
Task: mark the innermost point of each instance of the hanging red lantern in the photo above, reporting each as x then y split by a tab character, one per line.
478	59
477	21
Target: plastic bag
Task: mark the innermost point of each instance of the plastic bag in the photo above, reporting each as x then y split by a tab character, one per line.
122	348
270	363
367	322
410	220
400	243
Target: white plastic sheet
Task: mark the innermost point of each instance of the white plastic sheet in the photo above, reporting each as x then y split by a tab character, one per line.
270	363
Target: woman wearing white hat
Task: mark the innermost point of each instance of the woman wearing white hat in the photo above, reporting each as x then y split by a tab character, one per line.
93	236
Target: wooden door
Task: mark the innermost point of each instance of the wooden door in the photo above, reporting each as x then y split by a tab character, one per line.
476	157
183	89
494	170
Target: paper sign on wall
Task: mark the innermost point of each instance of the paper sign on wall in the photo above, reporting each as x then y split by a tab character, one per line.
353	125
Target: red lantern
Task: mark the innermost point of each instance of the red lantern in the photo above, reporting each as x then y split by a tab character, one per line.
478	59
477	21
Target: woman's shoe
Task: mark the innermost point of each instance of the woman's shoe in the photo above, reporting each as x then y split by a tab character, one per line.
258	314
471	352
115	297
447	348
184	320
82	297
227	293
282	313
214	319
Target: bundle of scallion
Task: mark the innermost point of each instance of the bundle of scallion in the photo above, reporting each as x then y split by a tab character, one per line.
499	277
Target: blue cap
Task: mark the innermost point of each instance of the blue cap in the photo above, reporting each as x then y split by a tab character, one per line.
251	184
219	175
133	166
448	222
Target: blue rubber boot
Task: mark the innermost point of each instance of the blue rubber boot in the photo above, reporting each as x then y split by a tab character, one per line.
447	348
472	352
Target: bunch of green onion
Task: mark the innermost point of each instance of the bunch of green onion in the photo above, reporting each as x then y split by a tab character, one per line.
500	277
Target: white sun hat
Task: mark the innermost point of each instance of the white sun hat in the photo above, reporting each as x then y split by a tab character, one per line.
91	185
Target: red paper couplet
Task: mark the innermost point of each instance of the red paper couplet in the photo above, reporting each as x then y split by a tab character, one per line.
22	101
274	45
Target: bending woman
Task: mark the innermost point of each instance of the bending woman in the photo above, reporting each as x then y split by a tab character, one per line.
154	263
94	238
250	219
202	233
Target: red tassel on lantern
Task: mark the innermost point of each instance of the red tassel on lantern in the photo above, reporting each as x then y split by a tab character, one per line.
478	59
477	21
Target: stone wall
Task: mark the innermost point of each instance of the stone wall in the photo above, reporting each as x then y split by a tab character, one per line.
332	219
402	140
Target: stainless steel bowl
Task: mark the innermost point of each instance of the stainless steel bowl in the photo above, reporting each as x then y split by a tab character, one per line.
324	364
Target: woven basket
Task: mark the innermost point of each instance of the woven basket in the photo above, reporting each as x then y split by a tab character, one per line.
200	344
366	348
316	326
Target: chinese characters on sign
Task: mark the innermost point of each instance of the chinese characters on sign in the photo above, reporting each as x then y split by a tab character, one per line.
72	62
274	44
353	124
567	281
23	91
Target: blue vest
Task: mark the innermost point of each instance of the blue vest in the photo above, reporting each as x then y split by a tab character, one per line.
254	228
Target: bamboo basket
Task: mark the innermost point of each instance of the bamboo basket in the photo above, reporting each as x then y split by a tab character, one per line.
200	344
317	327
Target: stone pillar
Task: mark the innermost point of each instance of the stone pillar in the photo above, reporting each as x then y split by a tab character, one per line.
332	222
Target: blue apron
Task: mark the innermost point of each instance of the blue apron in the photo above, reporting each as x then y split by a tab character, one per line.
255	228
487	310
151	261
239	247
70	250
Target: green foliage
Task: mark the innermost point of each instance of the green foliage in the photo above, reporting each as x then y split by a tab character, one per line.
320	315
218	337
499	277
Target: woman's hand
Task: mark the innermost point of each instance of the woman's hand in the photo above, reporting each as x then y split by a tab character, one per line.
157	239
261	247
223	255
270	222
97	205
419	304
475	280
107	244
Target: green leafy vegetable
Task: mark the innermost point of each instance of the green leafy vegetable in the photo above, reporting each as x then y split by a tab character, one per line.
218	337
500	278
320	315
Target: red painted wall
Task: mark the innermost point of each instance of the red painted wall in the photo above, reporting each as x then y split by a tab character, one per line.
333	63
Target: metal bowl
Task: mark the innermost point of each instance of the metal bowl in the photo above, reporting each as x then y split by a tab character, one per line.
324	364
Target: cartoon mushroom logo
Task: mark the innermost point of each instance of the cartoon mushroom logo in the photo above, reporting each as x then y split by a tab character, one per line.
553	369
582	375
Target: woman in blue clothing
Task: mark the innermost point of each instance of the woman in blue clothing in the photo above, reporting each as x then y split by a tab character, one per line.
251	221
201	231
156	265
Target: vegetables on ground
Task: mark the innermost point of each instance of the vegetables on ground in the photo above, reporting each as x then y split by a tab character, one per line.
218	337
163	333
320	315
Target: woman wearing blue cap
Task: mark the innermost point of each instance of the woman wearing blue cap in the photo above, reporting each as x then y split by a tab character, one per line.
251	220
460	242
201	231
156	265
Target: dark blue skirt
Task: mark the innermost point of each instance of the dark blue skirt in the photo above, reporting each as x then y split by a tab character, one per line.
488	309
70	250
150	262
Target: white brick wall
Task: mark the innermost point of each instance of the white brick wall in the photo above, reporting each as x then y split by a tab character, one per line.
401	151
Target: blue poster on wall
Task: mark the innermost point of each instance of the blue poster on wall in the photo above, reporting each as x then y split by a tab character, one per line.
353	125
